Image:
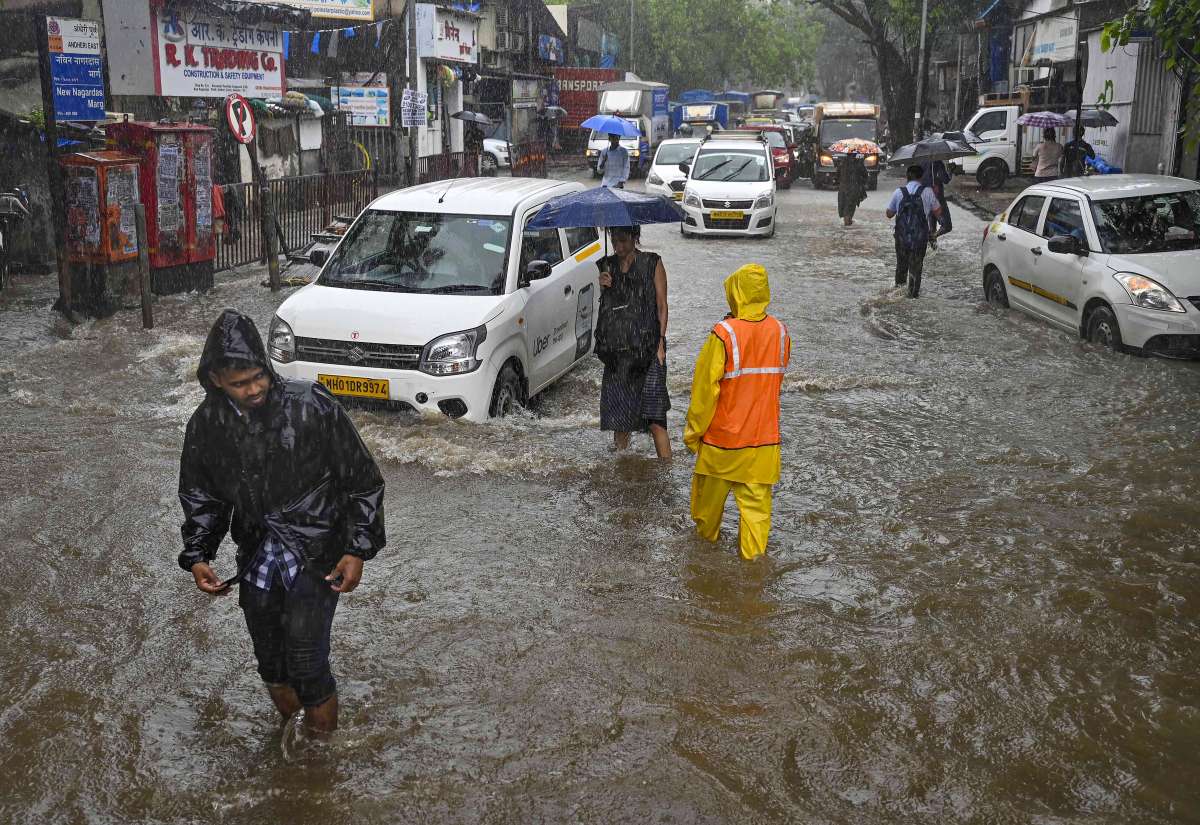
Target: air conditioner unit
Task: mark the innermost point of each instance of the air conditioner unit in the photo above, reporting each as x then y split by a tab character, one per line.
517	42
490	58
519	22
502	18
503	42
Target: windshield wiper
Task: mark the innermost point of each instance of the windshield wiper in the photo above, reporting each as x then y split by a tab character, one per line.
735	172
715	168
445	290
388	285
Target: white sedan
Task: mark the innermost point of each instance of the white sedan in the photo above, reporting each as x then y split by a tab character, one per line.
1113	258
665	177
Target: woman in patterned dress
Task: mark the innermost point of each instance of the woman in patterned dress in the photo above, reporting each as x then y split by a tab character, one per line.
633	310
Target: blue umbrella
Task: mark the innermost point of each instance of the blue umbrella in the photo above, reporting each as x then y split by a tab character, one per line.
602	206
611	125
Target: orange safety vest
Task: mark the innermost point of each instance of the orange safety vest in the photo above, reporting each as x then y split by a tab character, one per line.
756	355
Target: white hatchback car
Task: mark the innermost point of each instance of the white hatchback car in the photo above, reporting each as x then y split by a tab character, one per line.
730	188
1113	258
439	299
665	177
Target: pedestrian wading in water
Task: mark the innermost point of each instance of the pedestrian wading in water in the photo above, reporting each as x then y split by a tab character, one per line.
733	418
913	206
852	185
631	340
280	462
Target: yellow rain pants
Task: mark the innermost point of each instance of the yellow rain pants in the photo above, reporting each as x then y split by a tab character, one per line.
754	506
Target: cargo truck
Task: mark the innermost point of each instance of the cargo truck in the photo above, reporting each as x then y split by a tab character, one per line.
838	121
643	103
1003	147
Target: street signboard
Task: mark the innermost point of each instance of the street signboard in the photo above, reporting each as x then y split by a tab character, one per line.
361	10
368	105
412	108
198	56
76	69
240	118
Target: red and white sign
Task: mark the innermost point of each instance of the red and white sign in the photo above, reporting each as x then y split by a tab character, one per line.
240	118
446	34
197	56
579	91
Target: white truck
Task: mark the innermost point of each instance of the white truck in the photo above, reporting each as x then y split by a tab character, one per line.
1004	148
642	102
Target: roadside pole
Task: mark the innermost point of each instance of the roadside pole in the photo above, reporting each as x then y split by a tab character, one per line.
58	198
144	267
411	15
918	119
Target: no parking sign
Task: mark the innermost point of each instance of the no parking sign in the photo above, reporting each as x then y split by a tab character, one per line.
240	118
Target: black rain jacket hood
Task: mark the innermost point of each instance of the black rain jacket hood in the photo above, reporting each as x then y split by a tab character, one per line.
294	468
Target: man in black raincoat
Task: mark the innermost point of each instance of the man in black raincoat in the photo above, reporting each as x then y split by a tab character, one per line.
281	460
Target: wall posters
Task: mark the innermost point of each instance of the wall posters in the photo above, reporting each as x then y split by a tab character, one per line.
76	70
412	108
197	56
368	105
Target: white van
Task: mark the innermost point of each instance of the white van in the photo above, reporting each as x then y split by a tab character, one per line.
438	299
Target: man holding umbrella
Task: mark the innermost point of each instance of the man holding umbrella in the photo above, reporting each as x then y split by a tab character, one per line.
614	163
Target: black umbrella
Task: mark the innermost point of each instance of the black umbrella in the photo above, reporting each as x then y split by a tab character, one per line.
473	117
931	149
1094	118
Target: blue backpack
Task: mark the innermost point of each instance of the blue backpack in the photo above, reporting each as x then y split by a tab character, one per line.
912	227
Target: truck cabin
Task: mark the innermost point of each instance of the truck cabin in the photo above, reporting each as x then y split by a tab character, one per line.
839	121
767	100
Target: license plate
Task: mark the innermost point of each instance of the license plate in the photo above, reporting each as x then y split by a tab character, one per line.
677	196
728	215
358	387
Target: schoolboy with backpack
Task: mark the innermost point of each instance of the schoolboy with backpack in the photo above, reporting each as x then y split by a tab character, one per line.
911	205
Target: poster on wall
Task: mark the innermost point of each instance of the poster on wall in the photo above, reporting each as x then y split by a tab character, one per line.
366	97
412	108
76	70
197	56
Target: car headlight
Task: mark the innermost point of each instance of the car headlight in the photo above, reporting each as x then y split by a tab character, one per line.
1147	293
764	201
633	153
654	179
826	160
692	199
281	342
872	160
591	153
453	354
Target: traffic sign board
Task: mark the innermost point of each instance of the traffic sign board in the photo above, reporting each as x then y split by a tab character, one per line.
240	118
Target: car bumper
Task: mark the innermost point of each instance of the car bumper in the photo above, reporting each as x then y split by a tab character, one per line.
410	388
1155	331
664	190
757	222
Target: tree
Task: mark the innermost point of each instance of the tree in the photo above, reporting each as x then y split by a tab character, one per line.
892	30
1176	27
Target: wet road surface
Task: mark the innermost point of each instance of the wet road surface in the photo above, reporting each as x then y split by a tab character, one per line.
980	605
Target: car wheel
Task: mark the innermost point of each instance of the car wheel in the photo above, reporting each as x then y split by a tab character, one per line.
508	394
994	290
992	174
488	165
816	182
785	182
1103	329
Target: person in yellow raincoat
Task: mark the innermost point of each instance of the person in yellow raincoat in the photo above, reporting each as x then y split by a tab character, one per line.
733	419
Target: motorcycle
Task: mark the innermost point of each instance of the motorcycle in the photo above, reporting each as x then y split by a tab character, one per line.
14	208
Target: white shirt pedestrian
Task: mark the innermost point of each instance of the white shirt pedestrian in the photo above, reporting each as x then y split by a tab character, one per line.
928	199
614	162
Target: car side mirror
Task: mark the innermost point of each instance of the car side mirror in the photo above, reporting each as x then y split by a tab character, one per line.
1066	245
318	257
535	271
683	167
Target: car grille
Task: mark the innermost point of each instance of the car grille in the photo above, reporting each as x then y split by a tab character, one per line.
358	353
677	185
727	204
710	223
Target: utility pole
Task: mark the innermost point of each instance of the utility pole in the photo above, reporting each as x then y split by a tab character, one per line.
632	66
411	12
918	119
958	70
58	199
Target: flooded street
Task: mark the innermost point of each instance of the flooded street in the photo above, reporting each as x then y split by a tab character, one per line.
981	601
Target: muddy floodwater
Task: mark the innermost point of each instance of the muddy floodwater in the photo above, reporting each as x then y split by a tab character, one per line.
981	602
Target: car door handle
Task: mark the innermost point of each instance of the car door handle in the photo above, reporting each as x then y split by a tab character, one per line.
567	290
1037	250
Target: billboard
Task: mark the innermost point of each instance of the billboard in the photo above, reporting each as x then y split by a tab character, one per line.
198	56
360	10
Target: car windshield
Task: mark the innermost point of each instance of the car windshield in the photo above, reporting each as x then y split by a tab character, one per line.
775	140
675	153
422	252
729	165
1149	223
835	130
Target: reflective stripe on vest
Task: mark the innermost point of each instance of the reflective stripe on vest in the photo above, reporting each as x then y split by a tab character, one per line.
747	413
737	354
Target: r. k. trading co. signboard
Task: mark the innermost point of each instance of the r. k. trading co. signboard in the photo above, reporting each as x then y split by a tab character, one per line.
197	56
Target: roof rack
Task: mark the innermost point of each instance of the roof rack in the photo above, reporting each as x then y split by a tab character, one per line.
736	134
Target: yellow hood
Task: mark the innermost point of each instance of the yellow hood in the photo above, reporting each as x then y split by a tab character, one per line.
748	293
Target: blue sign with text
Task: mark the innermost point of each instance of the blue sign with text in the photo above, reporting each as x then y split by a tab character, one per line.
78	87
